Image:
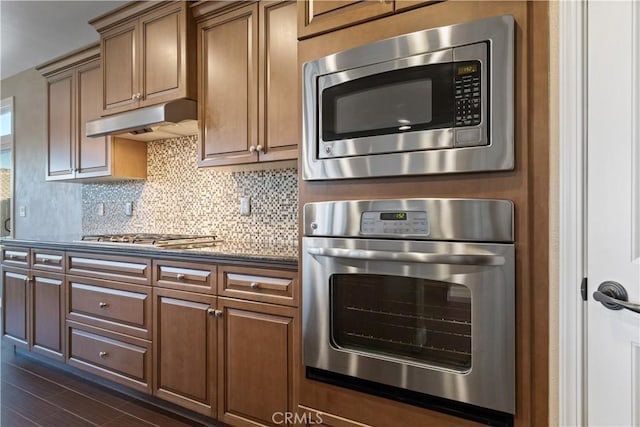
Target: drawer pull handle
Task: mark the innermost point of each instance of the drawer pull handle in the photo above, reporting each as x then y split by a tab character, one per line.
103	305
45	260
180	276
102	354
254	285
11	256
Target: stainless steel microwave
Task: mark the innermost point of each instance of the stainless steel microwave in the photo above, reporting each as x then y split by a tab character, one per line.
430	102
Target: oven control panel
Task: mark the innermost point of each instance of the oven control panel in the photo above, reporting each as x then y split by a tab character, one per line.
397	222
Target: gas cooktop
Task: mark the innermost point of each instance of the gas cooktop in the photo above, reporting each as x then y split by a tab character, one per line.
176	241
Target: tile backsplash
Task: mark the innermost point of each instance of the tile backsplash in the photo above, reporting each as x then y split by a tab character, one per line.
179	197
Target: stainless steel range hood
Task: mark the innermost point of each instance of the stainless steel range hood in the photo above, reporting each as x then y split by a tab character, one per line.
168	120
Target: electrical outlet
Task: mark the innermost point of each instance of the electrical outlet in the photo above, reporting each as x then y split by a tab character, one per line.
22	211
128	209
245	206
100	209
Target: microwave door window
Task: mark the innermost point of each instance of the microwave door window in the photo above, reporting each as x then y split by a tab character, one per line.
404	100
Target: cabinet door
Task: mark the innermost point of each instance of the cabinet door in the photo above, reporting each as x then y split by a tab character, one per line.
93	154
48	314
321	16
120	68
255	370
278	88
228	87
15	306
184	347
164	54
61	146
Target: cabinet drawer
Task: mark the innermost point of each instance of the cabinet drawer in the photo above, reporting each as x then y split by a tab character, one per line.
123	359
185	276
48	260
112	267
14	256
258	284
118	307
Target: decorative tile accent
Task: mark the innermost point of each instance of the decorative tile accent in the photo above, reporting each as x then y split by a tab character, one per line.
179	197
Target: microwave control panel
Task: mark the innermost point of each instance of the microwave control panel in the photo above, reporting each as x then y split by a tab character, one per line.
468	93
397	222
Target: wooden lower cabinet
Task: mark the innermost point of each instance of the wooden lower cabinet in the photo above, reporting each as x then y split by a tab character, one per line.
16	311
255	362
33	311
185	349
48	314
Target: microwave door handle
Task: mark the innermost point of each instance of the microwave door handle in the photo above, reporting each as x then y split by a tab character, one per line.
409	257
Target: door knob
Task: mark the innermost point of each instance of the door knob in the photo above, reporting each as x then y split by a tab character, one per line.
614	296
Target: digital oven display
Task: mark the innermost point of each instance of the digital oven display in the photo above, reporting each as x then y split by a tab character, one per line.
395	223
393	216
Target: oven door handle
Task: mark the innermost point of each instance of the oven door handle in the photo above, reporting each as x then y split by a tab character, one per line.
409	257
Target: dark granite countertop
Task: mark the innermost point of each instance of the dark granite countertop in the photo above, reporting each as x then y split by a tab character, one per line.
255	252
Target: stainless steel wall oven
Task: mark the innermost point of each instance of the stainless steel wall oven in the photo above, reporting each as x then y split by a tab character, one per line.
413	294
429	102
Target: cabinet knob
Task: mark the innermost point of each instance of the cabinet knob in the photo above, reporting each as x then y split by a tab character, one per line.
11	256
252	149
213	312
103	304
254	285
179	276
102	354
45	260
259	148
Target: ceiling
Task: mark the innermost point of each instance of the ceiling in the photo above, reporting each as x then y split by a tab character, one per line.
33	32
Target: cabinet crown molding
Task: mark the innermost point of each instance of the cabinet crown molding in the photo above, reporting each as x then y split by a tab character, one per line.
204	9
70	60
127	12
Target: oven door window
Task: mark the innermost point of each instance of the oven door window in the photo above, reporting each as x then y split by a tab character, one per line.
398	101
417	320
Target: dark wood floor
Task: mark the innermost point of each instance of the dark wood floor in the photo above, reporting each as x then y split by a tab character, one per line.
34	394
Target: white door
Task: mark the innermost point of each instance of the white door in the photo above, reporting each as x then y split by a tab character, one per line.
613	212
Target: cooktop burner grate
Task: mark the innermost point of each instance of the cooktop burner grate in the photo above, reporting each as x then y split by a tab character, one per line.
150	239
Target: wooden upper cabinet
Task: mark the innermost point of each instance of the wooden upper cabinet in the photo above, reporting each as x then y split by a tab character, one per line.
148	51
120	68
61	147
228	64
93	154
321	16
279	121
247	74
74	97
